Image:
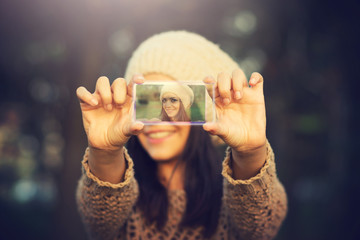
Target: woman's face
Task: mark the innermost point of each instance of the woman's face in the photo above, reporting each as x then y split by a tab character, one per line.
163	142
171	104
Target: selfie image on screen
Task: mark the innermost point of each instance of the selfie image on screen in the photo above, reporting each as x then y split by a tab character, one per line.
174	102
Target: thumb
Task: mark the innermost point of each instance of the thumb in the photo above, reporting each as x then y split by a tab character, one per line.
133	128
215	128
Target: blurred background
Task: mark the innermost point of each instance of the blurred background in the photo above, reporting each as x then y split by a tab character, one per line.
306	50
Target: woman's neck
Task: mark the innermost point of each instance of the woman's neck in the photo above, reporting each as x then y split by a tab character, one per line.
171	174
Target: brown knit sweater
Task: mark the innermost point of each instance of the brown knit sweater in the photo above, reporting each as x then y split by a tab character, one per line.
251	209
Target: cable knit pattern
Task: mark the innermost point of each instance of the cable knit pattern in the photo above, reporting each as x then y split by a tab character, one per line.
251	209
104	207
258	205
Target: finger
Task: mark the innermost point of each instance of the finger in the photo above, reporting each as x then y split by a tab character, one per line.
211	87
119	90
256	81
103	89
215	128
238	82
85	96
138	79
133	128
224	85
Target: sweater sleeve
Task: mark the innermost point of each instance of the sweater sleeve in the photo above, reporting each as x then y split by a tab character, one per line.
257	206
104	207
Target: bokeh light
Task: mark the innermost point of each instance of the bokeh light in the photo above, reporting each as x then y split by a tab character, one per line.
121	42
41	90
240	24
245	22
24	190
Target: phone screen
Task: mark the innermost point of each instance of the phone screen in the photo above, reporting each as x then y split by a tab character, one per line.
181	103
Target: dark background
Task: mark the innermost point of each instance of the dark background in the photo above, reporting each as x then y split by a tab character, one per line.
306	50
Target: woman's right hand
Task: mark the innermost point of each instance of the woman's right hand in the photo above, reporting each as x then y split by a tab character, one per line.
107	113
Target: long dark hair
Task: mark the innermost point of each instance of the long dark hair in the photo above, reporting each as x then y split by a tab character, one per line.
203	183
180	116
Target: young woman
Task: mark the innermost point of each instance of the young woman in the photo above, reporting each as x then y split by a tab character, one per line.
168	182
175	99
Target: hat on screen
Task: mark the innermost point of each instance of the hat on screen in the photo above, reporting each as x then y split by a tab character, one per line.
184	92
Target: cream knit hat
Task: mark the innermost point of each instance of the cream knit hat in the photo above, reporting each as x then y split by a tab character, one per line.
181	55
182	91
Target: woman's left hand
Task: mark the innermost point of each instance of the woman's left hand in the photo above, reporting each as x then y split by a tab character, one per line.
240	109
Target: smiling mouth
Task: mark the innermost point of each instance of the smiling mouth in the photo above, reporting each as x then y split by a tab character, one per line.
159	135
170	111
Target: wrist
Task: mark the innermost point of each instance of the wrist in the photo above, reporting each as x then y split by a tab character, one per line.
107	165
249	154
247	164
105	156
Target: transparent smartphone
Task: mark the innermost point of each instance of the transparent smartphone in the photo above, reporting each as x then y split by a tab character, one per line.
179	103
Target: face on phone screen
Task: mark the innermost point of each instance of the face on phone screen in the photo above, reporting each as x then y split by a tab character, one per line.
180	103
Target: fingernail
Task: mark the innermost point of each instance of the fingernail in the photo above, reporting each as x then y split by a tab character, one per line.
139	76
206	127
210	77
237	95
94	102
109	107
253	81
226	101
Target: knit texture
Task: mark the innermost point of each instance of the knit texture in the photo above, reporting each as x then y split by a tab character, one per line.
181	55
251	209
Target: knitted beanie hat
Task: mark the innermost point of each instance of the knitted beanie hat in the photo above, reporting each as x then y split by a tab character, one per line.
181	55
181	91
